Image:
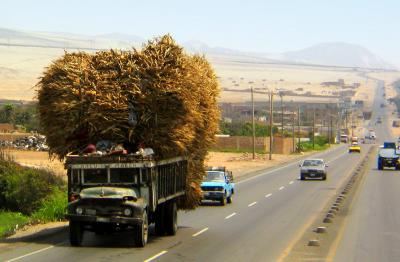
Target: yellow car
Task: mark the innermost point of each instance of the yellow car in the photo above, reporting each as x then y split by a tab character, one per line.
355	147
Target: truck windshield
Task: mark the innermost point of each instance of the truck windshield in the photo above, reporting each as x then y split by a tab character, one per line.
124	175
312	163
215	176
95	176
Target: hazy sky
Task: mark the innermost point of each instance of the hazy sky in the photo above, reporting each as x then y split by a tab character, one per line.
266	26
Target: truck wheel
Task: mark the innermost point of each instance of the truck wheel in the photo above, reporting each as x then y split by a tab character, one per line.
159	223
324	177
302	177
223	200
380	167
171	220
75	233
142	231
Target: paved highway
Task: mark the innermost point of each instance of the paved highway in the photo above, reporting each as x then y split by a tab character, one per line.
373	228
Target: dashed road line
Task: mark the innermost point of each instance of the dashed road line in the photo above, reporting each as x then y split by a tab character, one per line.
252	204
282	187
291	182
231	215
200	232
267	196
30	254
156	256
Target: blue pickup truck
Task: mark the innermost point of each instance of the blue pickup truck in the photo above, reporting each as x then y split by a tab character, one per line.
218	185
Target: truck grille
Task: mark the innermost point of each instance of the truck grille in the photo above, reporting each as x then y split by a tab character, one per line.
212	188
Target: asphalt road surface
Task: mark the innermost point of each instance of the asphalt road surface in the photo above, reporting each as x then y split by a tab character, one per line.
268	212
372	232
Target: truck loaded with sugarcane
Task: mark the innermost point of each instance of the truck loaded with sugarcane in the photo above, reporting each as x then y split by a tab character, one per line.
134	128
120	192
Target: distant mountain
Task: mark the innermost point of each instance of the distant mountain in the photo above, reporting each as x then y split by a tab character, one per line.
337	54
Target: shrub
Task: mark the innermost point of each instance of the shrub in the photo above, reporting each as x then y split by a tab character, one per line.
10	221
23	189
52	208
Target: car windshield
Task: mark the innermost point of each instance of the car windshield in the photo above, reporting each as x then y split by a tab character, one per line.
312	162
215	176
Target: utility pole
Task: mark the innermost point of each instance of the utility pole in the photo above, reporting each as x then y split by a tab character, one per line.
271	116
352	123
331	130
253	124
313	130
280	94
298	129
293	134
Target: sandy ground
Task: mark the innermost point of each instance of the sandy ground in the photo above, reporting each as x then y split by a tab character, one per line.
37	159
20	69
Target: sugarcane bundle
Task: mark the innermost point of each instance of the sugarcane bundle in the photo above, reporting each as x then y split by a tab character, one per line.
159	96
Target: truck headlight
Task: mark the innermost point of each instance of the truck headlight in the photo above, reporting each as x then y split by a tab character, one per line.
79	211
127	212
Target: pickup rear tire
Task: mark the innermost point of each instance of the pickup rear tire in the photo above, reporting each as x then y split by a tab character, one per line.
229	199
171	218
141	232
223	201
75	233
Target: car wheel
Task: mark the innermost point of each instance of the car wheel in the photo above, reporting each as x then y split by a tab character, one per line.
324	177
223	200
75	233
142	231
229	199
380	167
302	177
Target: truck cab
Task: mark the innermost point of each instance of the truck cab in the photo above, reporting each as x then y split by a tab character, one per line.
116	193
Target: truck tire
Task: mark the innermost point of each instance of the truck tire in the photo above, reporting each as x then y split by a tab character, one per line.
171	218
302	177
229	199
75	233
141	232
380	166
223	200
324	177
159	220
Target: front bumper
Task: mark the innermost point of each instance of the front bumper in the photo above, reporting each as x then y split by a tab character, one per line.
101	219
313	175
390	163
213	195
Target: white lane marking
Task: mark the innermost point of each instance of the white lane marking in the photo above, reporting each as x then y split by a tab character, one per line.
30	254
156	256
231	215
267	196
336	158
291	182
282	187
291	164
252	204
200	232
